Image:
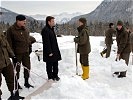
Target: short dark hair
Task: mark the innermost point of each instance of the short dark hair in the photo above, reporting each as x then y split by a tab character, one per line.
20	17
48	18
83	20
110	25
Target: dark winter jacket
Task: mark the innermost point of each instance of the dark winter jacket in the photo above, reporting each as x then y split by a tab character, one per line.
18	39
5	52
50	45
123	41
32	40
108	36
83	40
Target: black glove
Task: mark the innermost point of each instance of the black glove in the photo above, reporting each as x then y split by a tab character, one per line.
30	49
76	39
14	59
36	50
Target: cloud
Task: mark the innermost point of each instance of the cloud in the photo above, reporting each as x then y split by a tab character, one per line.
50	7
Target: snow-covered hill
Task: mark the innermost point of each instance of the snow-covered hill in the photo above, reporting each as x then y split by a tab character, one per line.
111	11
39	16
100	85
8	16
65	17
61	18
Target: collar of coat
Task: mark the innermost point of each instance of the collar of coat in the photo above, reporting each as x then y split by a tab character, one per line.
80	28
50	27
18	28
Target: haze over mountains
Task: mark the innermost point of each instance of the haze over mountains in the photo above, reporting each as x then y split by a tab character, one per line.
60	18
108	10
8	16
111	11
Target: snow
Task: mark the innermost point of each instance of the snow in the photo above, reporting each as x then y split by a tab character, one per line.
118	66
100	85
60	18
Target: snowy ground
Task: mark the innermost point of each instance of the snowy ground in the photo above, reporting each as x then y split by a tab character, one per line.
100	85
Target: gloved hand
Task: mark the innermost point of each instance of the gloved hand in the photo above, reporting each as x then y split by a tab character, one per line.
14	59
76	39
36	50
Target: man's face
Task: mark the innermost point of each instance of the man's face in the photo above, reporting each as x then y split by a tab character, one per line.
80	23
21	23
51	22
112	26
128	30
119	27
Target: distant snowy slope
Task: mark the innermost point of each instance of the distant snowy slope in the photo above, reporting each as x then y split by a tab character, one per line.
111	10
8	16
61	18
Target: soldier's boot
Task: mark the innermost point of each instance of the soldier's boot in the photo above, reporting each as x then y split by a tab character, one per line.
103	52
116	73
15	96
26	84
85	72
122	74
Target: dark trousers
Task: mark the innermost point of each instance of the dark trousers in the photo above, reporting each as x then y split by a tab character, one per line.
52	69
84	59
107	50
124	56
104	50
25	60
9	77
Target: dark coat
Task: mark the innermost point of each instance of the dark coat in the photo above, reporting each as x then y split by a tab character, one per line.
108	36
123	41
5	52
18	39
83	40
50	45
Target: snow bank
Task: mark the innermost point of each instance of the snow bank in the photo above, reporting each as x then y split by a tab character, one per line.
100	85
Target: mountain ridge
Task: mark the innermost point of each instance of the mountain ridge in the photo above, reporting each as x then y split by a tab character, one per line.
110	11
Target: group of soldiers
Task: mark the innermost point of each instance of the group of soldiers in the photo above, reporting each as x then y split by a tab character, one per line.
124	39
17	44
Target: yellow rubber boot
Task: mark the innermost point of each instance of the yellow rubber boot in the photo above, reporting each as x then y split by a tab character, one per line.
86	72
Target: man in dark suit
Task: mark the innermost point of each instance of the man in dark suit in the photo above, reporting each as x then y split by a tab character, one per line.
51	52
